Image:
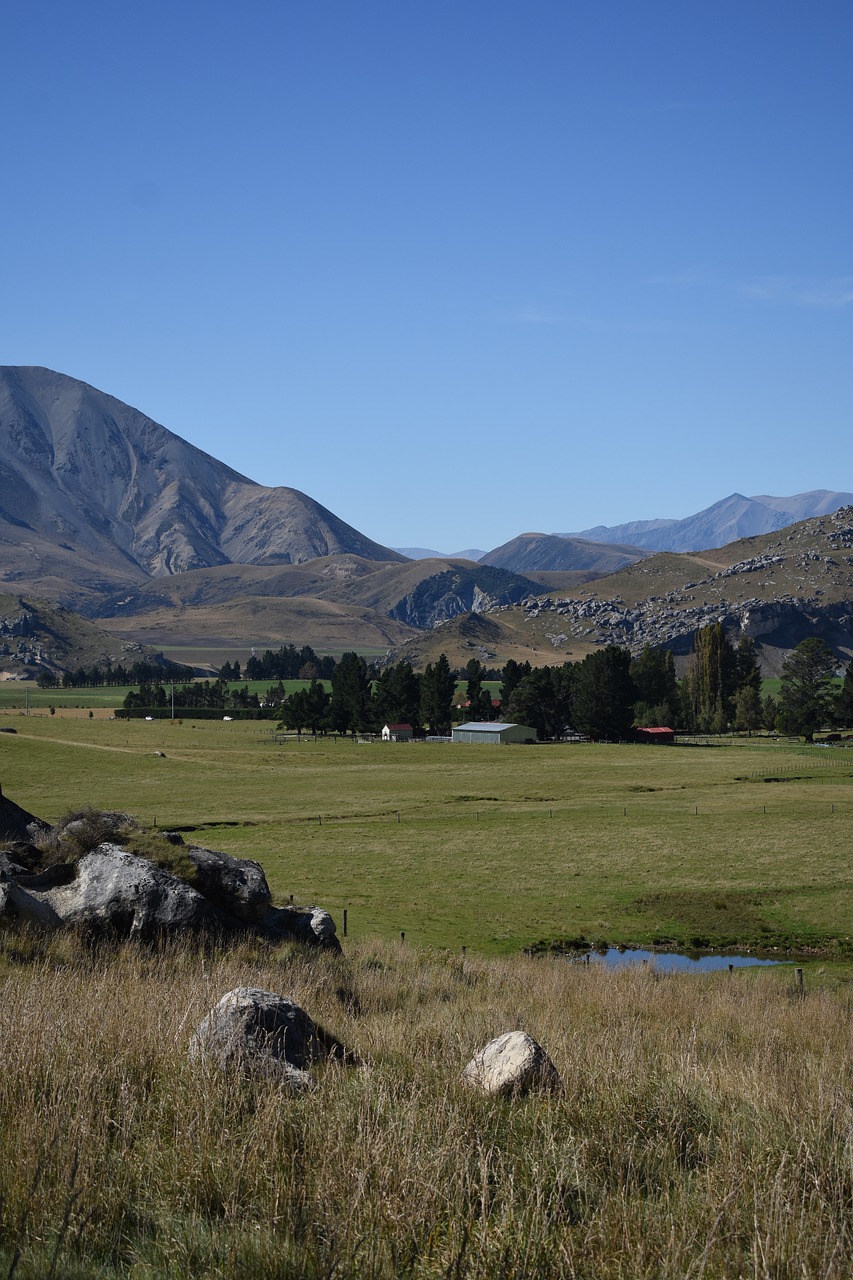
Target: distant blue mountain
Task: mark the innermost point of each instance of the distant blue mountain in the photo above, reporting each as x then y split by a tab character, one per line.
723	522
422	553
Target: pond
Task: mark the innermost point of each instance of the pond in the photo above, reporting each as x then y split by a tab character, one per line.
615	958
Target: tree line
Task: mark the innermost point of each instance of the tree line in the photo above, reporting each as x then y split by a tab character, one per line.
107	673
604	696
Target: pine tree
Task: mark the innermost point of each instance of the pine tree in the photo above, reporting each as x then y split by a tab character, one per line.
437	689
806	695
604	694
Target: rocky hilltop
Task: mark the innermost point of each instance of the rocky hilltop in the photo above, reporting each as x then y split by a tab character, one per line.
778	589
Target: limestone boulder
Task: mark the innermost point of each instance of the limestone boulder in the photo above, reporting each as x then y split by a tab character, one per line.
113	892
237	885
511	1065
80	873
262	1033
17	824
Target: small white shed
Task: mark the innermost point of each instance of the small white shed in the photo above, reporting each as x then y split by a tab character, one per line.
397	733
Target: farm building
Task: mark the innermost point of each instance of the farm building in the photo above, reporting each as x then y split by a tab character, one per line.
493	732
660	733
397	733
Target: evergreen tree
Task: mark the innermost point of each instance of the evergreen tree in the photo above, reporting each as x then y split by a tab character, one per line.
397	696
604	694
543	700
747	670
806	695
769	712
653	673
351	708
479	699
437	688
511	676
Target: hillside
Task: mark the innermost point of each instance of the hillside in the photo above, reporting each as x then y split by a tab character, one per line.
548	552
333	602
36	635
96	496
778	588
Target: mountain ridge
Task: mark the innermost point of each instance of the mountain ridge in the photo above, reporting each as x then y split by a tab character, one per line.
83	472
725	521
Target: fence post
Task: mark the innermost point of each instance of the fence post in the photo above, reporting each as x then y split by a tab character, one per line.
345	922
800	987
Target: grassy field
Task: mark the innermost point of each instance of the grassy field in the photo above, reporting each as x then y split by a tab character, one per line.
704	1129
492	848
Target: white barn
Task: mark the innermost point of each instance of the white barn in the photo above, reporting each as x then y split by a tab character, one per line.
493	731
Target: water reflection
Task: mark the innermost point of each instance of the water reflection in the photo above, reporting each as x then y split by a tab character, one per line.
615	958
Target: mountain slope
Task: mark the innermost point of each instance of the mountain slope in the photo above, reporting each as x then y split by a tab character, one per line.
86	481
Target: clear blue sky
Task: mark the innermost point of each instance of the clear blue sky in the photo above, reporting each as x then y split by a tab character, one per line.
456	269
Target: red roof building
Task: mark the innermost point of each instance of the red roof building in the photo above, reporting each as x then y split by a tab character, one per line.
660	733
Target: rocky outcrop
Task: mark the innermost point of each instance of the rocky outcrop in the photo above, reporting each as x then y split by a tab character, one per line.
262	1033
446	595
237	885
110	891
16	823
511	1065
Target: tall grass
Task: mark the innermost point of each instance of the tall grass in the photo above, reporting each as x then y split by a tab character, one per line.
705	1129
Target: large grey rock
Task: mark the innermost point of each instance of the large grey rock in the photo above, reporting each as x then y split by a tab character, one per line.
238	885
311	925
113	892
512	1064
16	823
264	1033
107	889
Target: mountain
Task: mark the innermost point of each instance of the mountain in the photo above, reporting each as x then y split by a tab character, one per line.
96	495
423	553
548	552
723	522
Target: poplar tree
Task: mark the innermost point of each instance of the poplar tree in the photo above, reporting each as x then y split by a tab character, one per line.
713	679
844	705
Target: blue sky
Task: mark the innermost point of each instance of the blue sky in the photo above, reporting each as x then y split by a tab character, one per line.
456	270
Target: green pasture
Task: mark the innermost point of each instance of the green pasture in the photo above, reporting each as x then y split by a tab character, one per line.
493	848
16	696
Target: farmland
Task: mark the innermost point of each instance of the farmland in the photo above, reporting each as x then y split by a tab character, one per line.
491	848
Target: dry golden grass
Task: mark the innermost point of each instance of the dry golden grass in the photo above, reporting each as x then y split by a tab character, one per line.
705	1129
